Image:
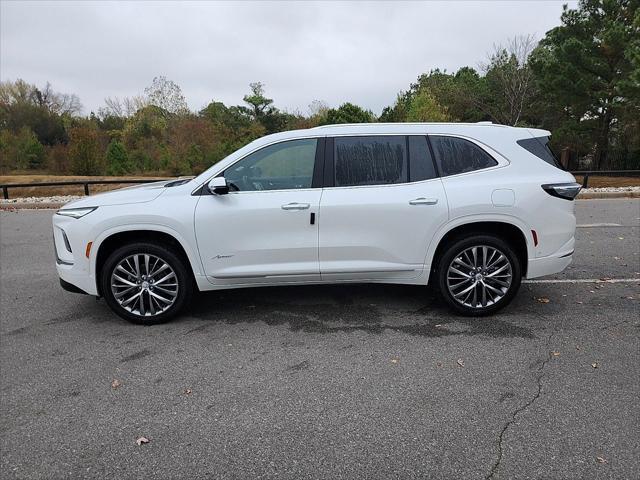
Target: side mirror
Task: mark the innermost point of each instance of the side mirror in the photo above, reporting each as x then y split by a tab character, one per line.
218	186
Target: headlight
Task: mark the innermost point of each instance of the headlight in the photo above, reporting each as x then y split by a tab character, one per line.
75	212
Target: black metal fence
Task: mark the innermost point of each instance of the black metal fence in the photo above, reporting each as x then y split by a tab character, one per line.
85	183
586	174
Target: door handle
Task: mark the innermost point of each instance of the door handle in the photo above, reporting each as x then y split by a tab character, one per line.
295	206
423	201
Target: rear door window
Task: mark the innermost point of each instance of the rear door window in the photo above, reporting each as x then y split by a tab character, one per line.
456	155
421	166
374	160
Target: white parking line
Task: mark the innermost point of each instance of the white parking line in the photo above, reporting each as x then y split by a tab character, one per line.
595	225
584	280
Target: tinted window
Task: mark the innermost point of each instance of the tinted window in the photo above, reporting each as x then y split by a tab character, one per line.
421	165
282	166
457	155
370	160
539	146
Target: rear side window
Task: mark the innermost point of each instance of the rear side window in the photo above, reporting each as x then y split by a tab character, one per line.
376	160
539	146
457	155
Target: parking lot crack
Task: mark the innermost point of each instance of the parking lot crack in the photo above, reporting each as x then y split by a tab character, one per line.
520	409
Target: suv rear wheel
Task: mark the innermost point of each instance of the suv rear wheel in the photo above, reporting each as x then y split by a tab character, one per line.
145	283
478	275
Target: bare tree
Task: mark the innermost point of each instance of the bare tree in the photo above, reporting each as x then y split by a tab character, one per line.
56	102
318	108
167	95
125	107
112	108
508	71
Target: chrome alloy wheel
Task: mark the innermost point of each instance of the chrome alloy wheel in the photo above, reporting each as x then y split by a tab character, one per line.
144	284
479	276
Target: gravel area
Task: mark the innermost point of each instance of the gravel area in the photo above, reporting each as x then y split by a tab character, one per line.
53	199
610	189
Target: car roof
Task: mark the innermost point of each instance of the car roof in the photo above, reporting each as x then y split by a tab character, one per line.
467	129
500	137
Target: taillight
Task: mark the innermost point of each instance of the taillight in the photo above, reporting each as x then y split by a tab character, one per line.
567	191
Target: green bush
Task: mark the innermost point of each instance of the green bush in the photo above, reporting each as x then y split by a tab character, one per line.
117	159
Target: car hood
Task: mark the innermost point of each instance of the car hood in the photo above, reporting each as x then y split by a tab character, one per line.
136	194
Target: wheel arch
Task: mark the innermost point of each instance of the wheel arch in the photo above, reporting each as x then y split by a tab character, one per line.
510	231
112	240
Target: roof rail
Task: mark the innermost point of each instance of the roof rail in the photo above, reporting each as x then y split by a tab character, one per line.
320	127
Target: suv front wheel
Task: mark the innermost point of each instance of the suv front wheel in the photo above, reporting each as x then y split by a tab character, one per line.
478	275
145	283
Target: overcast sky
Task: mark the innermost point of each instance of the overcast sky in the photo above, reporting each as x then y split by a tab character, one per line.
302	51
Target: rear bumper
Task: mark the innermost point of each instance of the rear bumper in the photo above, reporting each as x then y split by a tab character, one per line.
541	266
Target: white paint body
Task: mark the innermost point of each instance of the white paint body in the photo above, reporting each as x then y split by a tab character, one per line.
385	233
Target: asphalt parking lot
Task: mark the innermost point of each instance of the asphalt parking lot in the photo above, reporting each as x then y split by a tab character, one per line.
326	381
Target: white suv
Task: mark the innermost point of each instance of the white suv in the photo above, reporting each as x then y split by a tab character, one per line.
469	208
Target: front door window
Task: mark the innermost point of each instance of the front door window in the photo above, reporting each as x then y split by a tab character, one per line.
282	166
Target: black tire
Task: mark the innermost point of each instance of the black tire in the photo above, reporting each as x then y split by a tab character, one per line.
454	250
184	283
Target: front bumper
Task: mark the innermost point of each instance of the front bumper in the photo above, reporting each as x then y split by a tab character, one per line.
71	288
72	266
76	277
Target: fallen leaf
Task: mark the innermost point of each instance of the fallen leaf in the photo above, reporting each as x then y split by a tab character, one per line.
601	460
595	364
460	362
555	354
187	391
142	440
115	383
543	300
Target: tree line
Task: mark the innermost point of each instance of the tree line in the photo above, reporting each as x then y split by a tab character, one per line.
581	81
